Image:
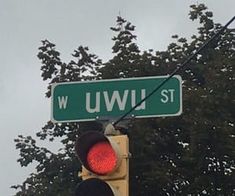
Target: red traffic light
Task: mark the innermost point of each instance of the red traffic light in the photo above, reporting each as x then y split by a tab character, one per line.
105	164
96	153
101	158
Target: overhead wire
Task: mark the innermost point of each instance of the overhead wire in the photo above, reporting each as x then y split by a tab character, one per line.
180	67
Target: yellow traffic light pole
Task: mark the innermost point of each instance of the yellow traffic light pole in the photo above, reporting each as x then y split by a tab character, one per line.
118	178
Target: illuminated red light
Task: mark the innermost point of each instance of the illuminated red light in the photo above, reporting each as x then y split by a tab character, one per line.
102	158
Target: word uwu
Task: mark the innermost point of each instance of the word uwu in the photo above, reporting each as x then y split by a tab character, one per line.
115	98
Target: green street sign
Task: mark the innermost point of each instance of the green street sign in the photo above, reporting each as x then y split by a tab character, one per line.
90	100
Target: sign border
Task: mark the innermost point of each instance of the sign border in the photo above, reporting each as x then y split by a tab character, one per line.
53	86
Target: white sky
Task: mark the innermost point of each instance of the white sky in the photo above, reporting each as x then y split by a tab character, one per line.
23	23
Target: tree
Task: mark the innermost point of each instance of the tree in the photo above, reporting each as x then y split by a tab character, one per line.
56	174
192	154
211	152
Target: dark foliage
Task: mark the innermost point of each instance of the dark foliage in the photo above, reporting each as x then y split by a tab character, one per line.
192	154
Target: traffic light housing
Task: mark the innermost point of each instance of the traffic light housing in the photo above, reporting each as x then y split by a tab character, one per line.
105	164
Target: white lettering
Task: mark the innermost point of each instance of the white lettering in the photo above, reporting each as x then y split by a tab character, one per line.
115	97
63	102
97	103
167	95
133	99
172	94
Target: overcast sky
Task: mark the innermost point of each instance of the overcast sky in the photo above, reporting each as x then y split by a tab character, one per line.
70	23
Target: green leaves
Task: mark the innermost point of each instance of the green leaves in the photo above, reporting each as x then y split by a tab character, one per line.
192	154
83	67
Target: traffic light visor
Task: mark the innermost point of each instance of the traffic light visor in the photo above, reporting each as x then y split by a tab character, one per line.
94	187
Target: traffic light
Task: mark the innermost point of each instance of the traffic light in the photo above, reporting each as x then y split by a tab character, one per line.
105	164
